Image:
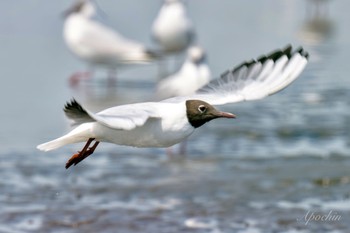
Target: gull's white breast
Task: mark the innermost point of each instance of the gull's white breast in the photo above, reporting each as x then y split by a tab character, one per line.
75	30
169	129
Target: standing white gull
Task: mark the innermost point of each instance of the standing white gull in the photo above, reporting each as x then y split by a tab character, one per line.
165	123
172	29
193	74
98	44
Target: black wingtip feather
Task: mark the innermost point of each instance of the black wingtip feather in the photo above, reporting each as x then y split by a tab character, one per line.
73	106
76	112
274	55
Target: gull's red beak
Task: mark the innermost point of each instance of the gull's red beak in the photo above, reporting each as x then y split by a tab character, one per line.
226	115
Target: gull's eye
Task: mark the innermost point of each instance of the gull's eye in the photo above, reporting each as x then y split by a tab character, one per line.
202	108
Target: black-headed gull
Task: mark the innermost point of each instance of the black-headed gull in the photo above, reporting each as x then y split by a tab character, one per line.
172	29
98	44
193	74
165	123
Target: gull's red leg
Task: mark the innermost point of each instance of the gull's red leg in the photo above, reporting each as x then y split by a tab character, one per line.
76	158
76	77
87	153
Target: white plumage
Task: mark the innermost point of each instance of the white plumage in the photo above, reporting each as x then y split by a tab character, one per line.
254	79
165	123
147	124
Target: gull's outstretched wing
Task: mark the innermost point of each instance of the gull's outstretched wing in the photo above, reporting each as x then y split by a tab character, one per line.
123	117
253	79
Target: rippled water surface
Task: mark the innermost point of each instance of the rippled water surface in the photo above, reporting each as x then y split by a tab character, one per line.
281	166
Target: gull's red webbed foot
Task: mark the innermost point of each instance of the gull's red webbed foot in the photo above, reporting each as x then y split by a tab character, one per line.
81	155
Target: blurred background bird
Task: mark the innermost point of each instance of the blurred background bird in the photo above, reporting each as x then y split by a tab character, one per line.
193	74
97	44
172	29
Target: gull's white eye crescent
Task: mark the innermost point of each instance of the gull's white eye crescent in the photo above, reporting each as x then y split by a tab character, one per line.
202	108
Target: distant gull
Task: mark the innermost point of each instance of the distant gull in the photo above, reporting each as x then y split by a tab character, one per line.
172	29
193	74
165	123
98	44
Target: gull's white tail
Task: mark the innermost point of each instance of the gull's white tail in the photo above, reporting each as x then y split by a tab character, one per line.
59	142
79	134
54	144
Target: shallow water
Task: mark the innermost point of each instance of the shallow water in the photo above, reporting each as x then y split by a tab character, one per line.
281	166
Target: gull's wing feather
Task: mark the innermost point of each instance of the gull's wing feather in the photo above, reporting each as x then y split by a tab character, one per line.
105	42
123	117
255	79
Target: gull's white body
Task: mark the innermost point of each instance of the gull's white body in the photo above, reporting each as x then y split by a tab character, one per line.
191	76
172	28
95	43
165	123
168	125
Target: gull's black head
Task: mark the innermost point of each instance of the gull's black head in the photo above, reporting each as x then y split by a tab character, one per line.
84	7
200	112
75	8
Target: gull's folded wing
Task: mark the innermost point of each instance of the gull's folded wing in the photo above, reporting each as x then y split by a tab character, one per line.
123	117
103	41
253	79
